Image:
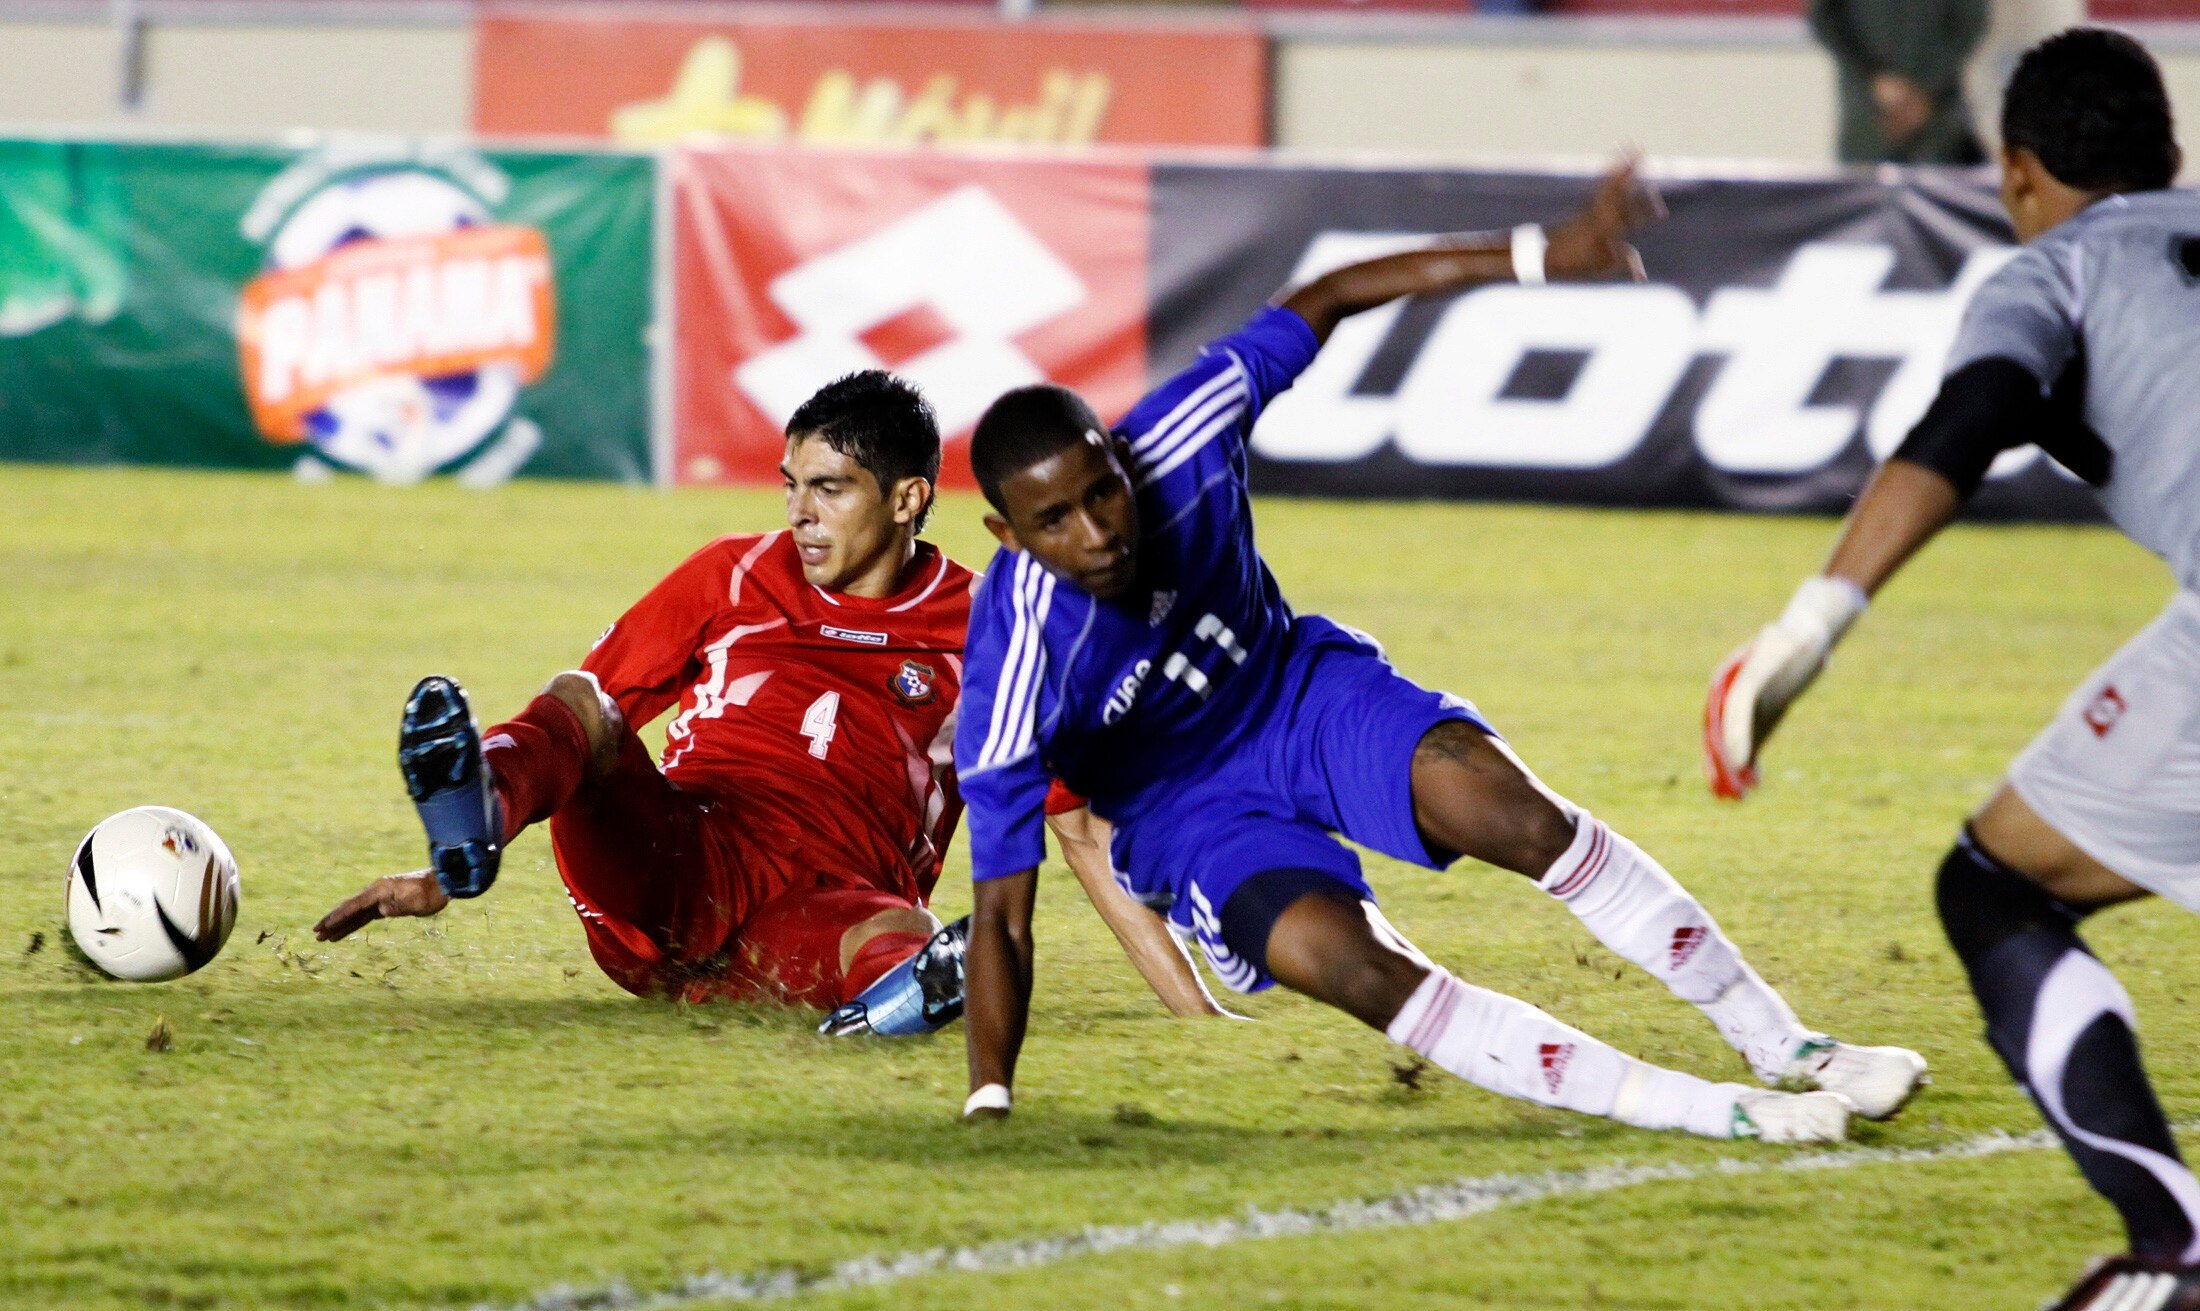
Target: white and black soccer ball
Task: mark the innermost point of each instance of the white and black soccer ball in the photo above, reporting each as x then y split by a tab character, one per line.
152	894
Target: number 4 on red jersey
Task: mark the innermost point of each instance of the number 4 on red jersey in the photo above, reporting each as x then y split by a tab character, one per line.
826	719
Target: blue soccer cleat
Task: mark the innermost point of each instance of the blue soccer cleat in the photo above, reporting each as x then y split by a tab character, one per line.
439	753
923	994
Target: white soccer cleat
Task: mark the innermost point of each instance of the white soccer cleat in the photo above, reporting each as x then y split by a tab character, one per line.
1878	1081
1780	1117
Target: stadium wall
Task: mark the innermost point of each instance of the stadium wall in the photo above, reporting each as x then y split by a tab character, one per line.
1726	91
410	73
1487	90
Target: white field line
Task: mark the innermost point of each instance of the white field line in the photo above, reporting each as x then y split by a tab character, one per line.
1429	1204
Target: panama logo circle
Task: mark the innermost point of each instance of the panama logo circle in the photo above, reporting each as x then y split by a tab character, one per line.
395	321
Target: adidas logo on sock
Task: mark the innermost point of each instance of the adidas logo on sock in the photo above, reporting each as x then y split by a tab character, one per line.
1685	942
1556	1056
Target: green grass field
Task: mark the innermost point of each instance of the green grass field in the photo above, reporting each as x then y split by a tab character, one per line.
446	1112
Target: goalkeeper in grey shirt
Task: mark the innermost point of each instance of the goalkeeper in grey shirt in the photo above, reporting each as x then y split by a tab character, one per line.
2087	345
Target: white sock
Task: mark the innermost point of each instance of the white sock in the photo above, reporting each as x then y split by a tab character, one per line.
1638	910
1507	1046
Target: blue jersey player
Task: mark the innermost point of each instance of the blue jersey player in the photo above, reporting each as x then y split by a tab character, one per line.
1129	639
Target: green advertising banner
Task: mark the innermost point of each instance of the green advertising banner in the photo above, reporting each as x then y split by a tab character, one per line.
392	308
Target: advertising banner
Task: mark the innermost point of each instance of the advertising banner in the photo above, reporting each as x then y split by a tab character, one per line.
376	306
880	81
969	277
1791	334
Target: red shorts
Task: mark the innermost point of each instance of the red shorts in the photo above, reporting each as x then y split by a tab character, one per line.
677	903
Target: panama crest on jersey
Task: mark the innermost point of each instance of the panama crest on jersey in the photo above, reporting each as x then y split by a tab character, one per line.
912	684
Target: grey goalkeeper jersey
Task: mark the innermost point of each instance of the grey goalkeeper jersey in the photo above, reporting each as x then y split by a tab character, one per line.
2113	296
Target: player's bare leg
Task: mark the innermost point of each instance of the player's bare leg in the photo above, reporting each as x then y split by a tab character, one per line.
2049	861
599	716
2011	894
1161	958
1473	796
901	922
906	972
1328	947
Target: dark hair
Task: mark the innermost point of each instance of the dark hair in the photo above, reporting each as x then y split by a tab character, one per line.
1024	427
880	422
2090	103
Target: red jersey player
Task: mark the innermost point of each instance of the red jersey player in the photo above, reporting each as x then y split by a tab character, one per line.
787	846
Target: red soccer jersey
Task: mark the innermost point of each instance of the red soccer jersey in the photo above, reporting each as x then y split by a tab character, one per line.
824	722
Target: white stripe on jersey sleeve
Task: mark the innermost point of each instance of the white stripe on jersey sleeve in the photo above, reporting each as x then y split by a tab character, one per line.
1023	717
1018	639
1010	731
1184	408
1194	443
748	562
1227	404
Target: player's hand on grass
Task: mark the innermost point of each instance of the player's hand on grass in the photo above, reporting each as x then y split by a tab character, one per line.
1752	690
1593	243
395	897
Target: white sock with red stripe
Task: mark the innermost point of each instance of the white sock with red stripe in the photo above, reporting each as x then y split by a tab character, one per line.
1507	1046
1638	910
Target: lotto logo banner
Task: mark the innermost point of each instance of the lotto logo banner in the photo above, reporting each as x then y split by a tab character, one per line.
1791	334
968	277
425	306
933	79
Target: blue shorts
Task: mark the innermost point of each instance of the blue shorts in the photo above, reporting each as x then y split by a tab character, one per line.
1333	755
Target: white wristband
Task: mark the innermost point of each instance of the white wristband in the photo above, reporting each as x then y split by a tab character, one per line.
1823	609
1529	245
992	1097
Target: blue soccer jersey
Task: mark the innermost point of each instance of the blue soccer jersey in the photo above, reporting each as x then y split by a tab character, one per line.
1221	734
1117	697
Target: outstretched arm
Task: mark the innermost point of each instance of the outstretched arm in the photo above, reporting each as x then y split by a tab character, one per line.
1160	959
1902	508
1983	409
997	989
1592	244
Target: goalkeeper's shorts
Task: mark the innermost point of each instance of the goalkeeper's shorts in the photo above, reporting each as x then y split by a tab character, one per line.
2118	771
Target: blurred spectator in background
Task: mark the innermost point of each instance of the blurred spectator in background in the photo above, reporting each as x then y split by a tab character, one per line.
1901	67
1508	6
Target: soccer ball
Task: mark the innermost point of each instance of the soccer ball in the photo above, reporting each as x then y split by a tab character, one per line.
152	894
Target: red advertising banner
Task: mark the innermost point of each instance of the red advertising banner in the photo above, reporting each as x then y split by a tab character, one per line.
1367	6
967	276
2126	11
873	81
